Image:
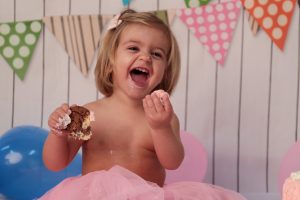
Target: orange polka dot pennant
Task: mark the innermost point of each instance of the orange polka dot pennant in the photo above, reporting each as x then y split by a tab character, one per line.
213	25
273	16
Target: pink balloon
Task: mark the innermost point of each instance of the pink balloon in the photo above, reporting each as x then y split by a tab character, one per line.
194	165
289	163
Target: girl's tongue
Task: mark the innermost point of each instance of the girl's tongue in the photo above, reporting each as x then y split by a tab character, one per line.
139	77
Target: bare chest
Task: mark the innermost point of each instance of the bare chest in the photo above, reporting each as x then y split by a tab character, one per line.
119	131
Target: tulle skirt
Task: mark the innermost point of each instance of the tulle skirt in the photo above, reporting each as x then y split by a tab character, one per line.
121	184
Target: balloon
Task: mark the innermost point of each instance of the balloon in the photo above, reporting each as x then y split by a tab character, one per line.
289	163
22	171
194	165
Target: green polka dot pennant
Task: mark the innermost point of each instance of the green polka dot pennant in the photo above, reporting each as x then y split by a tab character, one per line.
195	3
17	43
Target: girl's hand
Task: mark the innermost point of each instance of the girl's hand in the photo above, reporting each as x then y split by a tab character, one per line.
58	118
158	110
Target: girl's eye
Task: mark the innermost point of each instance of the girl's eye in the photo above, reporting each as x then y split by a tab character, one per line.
133	48
157	55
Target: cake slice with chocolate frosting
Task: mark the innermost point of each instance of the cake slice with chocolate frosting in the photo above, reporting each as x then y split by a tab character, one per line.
80	123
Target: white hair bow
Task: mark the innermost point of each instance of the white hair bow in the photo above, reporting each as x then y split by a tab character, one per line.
114	22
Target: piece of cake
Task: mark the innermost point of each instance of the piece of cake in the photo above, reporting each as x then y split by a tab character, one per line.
79	125
291	187
160	94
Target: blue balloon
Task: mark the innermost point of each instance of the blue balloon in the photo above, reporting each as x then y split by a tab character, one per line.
22	171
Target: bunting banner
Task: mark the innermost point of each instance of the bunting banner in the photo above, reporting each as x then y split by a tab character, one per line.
171	15
195	3
79	35
254	26
126	2
17	43
166	16
213	25
272	16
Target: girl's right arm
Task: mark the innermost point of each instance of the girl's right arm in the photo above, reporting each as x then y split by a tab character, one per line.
59	149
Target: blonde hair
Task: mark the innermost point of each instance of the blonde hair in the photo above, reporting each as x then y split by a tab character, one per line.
110	42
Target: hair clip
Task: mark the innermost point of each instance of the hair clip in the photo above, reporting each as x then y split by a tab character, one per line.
114	22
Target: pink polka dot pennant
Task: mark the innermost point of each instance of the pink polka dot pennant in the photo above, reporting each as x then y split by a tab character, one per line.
273	16
213	25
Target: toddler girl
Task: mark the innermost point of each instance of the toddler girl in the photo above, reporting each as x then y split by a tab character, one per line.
135	132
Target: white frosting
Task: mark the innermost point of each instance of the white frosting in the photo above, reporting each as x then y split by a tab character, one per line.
64	122
86	123
92	116
81	136
161	94
295	175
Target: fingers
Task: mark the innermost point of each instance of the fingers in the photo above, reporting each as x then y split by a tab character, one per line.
158	109
57	120
166	102
158	101
152	104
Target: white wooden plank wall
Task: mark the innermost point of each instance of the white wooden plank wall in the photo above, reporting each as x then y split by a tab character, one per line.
245	113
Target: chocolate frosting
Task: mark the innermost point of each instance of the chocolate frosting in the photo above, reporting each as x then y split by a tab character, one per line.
78	115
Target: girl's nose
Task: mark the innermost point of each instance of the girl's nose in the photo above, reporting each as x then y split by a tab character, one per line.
145	56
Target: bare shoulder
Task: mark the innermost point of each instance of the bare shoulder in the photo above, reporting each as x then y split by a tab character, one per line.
99	108
94	105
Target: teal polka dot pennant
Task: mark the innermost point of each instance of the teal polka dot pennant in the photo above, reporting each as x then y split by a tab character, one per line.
126	2
195	3
17	43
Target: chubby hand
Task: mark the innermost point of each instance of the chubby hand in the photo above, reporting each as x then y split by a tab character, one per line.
59	119
158	109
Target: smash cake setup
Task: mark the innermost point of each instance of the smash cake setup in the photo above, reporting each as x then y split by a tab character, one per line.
291	187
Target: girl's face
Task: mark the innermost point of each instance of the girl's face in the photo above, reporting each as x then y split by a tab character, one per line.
141	60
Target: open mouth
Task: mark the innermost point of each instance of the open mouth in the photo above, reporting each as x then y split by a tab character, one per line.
139	76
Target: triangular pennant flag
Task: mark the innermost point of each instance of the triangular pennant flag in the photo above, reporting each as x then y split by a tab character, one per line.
166	16
213	25
171	15
254	26
79	35
106	19
195	3
163	15
272	16
17	43
126	2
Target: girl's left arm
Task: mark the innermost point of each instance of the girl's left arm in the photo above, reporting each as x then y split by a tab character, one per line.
164	126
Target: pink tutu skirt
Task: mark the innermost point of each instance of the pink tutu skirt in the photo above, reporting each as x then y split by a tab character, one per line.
121	184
